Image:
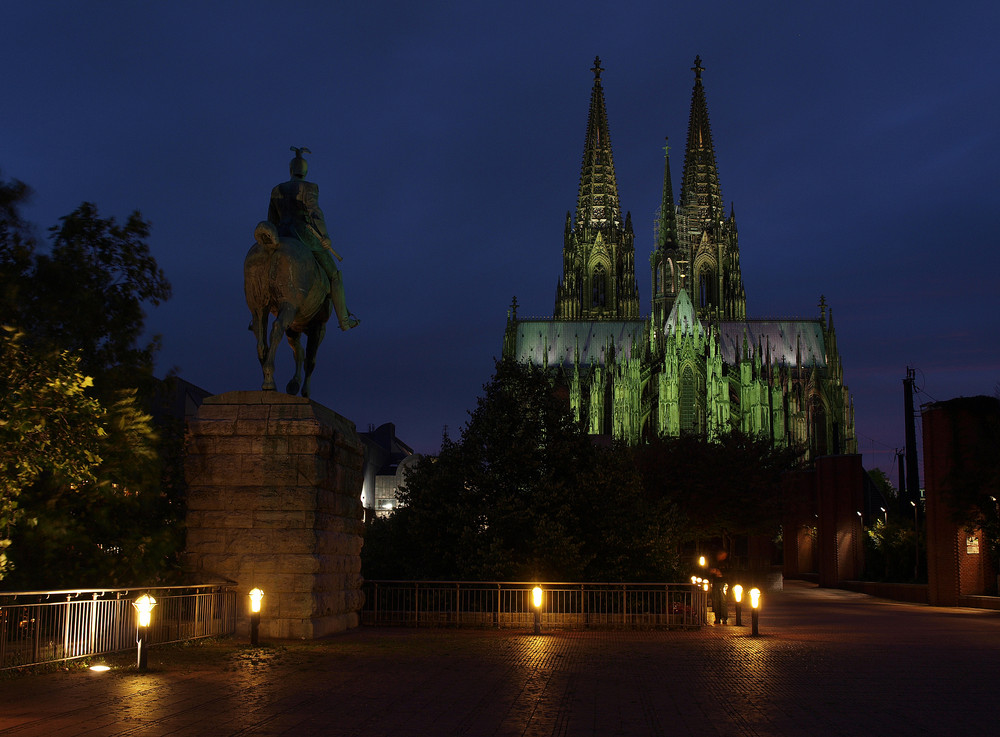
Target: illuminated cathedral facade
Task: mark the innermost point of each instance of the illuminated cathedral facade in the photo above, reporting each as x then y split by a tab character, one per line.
697	364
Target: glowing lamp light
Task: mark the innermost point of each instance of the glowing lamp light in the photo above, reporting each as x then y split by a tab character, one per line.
704	584
702	562
100	668
694	579
536	598
144	606
255	598
738	593
754	598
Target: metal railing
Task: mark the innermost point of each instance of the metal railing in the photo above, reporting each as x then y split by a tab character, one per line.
509	605
51	626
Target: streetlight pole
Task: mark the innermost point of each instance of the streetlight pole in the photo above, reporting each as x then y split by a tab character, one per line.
916	543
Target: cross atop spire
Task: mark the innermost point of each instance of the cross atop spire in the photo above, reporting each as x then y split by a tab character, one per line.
697	68
597	69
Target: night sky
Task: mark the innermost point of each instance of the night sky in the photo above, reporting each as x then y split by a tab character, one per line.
857	142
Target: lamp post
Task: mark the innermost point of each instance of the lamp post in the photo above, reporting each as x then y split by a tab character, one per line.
754	610
256	595
536	599
916	543
738	596
144	607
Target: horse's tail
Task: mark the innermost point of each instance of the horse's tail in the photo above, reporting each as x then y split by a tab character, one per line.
266	235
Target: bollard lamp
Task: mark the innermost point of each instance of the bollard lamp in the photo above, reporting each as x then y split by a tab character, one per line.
144	607
256	595
738	596
536	599
754	610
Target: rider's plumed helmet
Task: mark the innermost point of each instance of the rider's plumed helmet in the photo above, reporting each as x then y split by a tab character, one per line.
298	166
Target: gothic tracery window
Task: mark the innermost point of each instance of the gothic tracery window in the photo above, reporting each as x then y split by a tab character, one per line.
706	288
599	286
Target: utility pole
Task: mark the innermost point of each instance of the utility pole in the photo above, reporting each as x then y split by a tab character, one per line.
900	456
912	471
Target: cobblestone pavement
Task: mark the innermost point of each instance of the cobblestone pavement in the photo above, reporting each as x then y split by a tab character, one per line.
826	662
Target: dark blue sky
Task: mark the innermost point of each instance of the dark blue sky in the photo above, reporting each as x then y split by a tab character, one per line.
857	141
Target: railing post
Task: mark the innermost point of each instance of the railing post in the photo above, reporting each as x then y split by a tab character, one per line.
35	635
416	603
67	611
497	612
4	616
197	608
92	635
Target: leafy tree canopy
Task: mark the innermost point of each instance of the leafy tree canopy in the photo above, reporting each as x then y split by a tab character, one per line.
721	488
50	430
89	290
524	494
85	497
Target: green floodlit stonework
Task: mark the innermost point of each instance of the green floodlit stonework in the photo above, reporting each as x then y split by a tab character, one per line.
697	364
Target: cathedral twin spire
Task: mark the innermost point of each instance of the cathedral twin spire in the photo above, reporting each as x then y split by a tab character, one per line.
597	203
700	191
598	248
696	248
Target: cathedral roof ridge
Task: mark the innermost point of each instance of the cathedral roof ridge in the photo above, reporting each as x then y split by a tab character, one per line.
769	319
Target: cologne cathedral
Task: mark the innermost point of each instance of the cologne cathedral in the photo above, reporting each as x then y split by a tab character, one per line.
697	364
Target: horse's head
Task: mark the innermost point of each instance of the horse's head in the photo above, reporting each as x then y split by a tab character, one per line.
266	235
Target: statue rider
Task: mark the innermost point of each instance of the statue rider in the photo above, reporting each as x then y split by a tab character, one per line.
294	211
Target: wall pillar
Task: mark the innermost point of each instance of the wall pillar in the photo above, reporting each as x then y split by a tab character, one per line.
840	493
958	560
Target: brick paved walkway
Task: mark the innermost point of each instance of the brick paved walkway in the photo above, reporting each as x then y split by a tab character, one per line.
826	663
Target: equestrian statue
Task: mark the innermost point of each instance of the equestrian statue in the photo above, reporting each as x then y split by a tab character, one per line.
290	273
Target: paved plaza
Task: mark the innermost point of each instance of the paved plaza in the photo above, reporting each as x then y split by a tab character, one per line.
826	662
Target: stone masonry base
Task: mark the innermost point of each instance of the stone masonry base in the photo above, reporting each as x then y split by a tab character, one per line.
274	501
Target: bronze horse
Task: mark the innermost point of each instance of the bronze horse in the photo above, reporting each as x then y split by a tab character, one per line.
281	277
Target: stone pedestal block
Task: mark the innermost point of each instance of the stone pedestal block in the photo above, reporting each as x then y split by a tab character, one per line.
274	501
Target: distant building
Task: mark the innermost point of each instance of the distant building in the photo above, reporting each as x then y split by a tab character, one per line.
697	364
176	399
387	459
